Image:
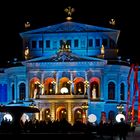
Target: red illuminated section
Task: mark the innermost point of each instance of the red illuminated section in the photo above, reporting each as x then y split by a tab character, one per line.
139	108
135	68
136	88
128	97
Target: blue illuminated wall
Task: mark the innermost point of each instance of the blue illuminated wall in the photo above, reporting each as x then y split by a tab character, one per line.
3	93
85	44
84	39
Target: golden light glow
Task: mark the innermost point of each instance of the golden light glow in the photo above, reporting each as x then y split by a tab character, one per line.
27	24
86	83
69	82
69	11
102	50
84	106
120	108
53	82
26	53
112	21
69	18
37	82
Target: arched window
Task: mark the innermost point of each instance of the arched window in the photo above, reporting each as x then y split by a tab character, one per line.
62	114
103	116
78	115
80	88
94	90
122	91
111	116
13	92
22	92
111	91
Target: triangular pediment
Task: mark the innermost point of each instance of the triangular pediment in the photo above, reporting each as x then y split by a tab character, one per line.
65	57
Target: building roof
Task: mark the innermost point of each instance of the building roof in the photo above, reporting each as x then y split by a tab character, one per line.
73	27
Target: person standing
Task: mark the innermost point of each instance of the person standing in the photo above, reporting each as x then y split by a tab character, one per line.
123	130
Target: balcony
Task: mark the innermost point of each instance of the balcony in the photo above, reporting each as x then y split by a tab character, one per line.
63	96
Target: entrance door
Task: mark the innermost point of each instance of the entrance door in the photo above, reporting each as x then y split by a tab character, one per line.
78	115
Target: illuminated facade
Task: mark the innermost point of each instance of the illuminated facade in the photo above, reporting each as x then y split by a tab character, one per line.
71	70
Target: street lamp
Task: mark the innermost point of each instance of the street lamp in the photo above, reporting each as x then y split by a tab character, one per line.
84	108
120	115
120	108
86	83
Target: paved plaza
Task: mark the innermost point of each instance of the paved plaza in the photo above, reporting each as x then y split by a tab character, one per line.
131	136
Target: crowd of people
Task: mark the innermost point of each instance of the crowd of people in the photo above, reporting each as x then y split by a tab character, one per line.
63	126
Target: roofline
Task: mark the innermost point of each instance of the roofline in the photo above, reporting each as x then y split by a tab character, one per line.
42	28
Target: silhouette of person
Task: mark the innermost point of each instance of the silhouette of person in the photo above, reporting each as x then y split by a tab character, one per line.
122	129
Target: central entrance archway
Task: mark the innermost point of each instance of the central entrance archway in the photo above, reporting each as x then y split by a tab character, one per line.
61	113
78	115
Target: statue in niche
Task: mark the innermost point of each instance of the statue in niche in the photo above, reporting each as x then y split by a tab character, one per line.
35	93
65	47
94	92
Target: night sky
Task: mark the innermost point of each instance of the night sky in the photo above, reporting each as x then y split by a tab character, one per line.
43	13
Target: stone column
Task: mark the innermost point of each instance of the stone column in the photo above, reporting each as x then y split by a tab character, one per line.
52	111
101	86
37	116
69	112
27	89
57	80
15	89
86	84
71	84
42	83
41	115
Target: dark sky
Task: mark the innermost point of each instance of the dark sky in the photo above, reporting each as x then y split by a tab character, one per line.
43	13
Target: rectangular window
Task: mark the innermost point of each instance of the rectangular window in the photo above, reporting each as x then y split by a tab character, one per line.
76	43
40	43
33	44
90	42
47	43
69	42
104	42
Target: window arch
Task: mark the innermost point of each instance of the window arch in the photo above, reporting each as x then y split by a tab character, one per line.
49	86
78	115
34	87
80	88
94	90
111	91
122	91
63	83
22	91
111	116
